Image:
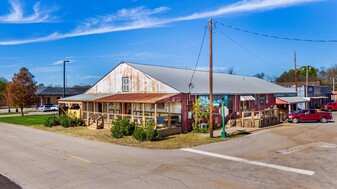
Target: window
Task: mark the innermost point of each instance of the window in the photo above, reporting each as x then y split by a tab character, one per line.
261	99
125	84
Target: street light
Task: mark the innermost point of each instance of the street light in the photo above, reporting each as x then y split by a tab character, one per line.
64	77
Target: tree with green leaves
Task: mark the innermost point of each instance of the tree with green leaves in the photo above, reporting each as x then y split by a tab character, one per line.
289	76
21	91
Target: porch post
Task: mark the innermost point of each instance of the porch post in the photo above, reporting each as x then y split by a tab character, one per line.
132	117
115	110
107	112
155	115
88	113
169	114
143	115
122	110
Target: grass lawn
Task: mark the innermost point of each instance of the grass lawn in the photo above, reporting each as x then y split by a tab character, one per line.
28	120
9	113
104	135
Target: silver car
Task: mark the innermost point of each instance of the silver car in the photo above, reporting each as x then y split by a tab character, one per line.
44	108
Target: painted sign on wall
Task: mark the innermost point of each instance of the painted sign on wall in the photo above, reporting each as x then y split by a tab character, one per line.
204	100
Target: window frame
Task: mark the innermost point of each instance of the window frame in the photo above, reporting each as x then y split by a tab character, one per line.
125	85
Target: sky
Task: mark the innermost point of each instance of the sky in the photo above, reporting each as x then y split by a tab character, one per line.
97	35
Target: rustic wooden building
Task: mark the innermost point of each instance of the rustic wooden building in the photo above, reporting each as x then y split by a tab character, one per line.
165	95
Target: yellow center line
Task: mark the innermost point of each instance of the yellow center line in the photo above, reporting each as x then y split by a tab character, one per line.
79	158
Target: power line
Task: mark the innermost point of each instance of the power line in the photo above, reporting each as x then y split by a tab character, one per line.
278	37
246	49
196	64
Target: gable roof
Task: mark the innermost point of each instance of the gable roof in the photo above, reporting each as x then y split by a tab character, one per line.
179	79
59	91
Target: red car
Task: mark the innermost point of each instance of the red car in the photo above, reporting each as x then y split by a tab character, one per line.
330	106
308	115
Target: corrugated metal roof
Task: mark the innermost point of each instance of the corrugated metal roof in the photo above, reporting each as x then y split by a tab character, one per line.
84	97
291	100
179	79
136	97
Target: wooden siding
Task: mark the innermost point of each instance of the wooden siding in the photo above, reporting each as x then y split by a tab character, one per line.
139	82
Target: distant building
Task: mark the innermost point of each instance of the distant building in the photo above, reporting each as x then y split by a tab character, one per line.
317	94
50	95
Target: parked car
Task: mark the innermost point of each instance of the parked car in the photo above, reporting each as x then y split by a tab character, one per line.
330	106
44	108
54	108
308	116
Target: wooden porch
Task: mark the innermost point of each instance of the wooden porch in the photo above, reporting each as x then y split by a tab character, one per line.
99	114
261	118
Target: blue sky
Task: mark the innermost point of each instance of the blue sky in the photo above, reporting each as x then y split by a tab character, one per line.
96	35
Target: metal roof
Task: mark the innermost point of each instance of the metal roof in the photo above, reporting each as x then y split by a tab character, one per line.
291	100
43	91
136	97
223	83
84	97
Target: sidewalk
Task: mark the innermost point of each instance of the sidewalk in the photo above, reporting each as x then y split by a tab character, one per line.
27	111
237	129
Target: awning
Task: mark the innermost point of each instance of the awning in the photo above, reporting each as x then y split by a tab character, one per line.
291	100
318	97
247	98
82	98
136	97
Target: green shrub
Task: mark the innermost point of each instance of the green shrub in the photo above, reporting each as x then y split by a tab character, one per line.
151	133
65	121
139	134
51	121
122	127
77	122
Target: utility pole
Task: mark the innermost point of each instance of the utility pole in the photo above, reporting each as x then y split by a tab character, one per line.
333	84
295	71
306	86
210	78
64	77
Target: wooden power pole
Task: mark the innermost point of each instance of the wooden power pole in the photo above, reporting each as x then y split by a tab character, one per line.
210	78
295	71
306	85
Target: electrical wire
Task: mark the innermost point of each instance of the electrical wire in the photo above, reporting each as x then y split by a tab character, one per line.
247	50
196	64
278	37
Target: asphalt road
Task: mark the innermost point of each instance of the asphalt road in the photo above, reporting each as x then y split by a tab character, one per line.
8	184
39	159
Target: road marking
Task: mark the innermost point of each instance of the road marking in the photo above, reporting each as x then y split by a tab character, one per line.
306	146
231	158
79	158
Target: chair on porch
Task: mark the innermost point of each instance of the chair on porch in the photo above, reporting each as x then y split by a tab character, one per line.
160	122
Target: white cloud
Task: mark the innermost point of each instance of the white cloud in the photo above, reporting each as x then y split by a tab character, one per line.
61	61
90	77
16	15
140	18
